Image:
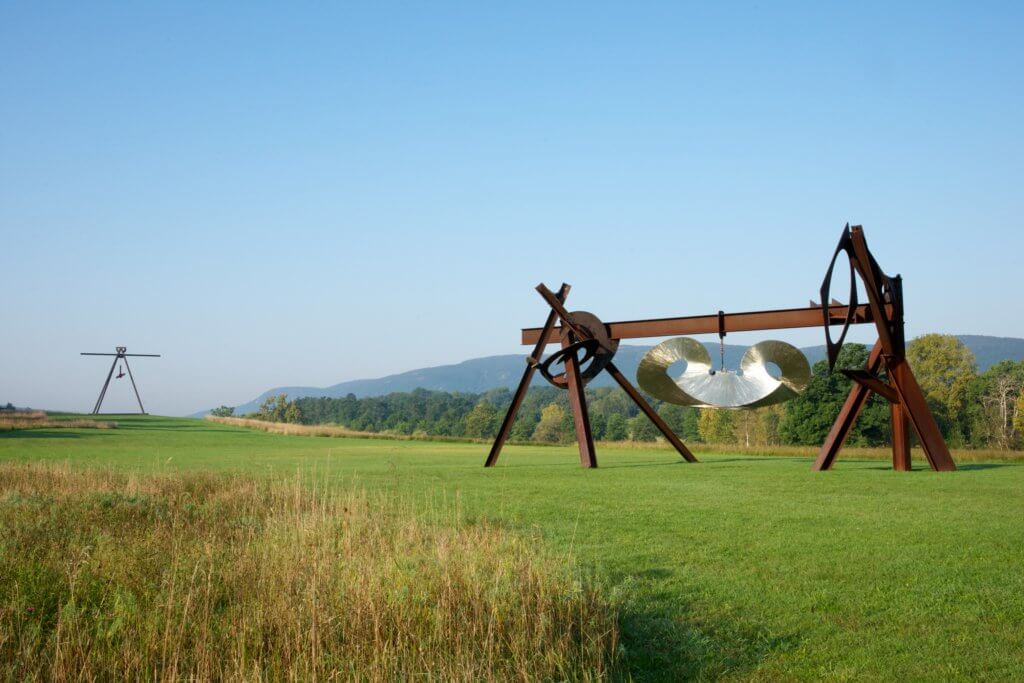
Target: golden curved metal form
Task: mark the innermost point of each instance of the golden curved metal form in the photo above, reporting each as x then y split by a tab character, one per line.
701	386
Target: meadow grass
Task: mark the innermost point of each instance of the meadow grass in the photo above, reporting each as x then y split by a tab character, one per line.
855	452
738	567
112	576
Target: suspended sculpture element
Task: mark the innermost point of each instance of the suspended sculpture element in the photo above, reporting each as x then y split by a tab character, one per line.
702	386
599	348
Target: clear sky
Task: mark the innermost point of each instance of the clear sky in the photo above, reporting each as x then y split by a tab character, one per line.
289	193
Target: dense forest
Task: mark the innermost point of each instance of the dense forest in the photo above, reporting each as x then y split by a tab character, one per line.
983	410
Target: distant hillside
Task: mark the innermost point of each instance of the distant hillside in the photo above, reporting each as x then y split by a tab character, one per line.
480	374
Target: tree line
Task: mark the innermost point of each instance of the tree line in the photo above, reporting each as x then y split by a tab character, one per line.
980	410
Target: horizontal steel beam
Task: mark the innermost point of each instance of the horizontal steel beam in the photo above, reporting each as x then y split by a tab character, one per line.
122	355
786	318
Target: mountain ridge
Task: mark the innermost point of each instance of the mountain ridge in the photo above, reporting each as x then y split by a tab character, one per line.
477	375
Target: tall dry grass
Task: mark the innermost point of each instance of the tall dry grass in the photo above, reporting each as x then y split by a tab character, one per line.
37	419
292	429
199	576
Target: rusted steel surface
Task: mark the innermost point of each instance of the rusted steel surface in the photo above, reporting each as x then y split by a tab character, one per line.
900	438
785	318
874	383
599	348
650	413
578	404
885	300
920	416
873	279
524	385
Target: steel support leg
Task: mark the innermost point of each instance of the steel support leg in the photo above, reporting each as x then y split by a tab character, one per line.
578	405
137	397
103	391
524	384
651	414
916	409
900	439
843	425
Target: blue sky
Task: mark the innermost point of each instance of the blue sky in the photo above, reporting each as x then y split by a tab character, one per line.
296	194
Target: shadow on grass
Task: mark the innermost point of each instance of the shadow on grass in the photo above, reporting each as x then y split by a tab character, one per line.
625	465
45	434
148	428
968	466
962	467
666	637
676	644
574	464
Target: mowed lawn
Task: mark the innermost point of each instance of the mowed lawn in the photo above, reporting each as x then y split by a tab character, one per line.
736	567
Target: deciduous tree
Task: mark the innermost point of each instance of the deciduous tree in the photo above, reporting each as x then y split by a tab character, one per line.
549	429
994	406
292	413
945	369
482	421
642	429
616	428
717	426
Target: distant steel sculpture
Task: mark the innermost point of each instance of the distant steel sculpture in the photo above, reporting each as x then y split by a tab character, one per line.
588	347
120	355
702	386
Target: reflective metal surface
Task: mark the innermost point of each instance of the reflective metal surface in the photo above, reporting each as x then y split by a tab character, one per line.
700	385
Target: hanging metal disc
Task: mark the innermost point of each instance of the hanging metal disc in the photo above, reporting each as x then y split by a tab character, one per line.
699	385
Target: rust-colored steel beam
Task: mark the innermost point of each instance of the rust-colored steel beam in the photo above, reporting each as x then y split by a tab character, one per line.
874	383
841	428
651	414
785	318
578	405
872	276
900	439
920	416
524	385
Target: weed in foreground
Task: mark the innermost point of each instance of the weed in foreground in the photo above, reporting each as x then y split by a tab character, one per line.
112	576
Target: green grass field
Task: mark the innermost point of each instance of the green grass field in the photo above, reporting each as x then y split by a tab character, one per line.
737	567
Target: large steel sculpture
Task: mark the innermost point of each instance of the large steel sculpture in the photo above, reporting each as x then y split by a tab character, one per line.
121	356
589	345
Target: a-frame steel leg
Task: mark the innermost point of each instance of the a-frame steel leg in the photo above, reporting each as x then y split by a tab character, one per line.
900	439
103	391
901	377
651	414
578	404
910	407
524	384
920	416
137	397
